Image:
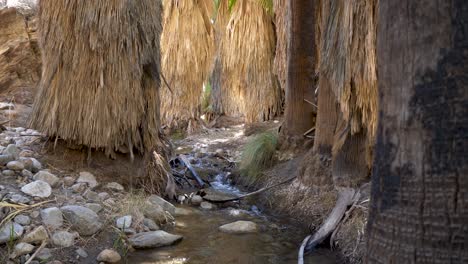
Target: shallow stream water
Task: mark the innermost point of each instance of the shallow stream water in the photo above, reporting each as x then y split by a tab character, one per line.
277	241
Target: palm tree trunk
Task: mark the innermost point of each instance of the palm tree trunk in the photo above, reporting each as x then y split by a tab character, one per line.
419	202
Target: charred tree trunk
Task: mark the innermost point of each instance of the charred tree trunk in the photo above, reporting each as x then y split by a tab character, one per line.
419	205
302	60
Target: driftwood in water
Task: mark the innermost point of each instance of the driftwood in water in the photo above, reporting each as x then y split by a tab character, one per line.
249	194
187	164
346	197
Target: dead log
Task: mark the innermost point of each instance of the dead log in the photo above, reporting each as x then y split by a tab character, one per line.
249	194
346	197
187	164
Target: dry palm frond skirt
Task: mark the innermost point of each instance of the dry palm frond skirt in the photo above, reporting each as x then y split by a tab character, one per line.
249	87
281	8
186	47
100	80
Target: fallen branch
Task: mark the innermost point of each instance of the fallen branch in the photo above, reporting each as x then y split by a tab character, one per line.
44	243
347	215
309	131
346	197
187	164
249	194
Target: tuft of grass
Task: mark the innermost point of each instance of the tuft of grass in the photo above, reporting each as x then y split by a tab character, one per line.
257	156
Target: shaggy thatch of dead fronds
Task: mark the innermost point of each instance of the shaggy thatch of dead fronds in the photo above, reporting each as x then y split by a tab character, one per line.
249	87
187	49
100	79
222	18
348	61
281	8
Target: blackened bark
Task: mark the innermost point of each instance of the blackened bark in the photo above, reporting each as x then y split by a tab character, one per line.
419	203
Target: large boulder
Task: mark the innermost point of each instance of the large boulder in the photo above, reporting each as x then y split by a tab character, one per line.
20	60
154	239
82	219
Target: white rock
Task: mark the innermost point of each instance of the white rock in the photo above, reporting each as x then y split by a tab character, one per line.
124	222
109	256
206	206
239	227
196	200
48	177
86	177
15	165
52	217
37	189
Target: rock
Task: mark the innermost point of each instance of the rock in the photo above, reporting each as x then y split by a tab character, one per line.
182	212
4	159
27	174
28	164
94	206
92	196
6	233
63	239
196	200
150	224
167	206
124	222
26	153
103	196
68	181
22	249
237	212
108	256
18	198
34	214
114	186
52	217
84	220
22	220
154	212
37	189
9	173
153	239
239	227
12	150
44	255
86	177
48	177
79	187
206	206
15	165
36	236
81	252
36	165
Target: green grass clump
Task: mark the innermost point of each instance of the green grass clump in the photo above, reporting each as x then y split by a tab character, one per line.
258	155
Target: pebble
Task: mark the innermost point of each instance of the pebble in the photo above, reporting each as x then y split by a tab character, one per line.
52	217
239	227
44	255
36	166
196	200
18	198
48	177
36	236
78	187
15	165
22	249
68	181
153	239
88	178
109	256
9	173
114	186
206	206
37	189
63	239
27	174
83	219
6	234
124	222
12	150
81	252
22	219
